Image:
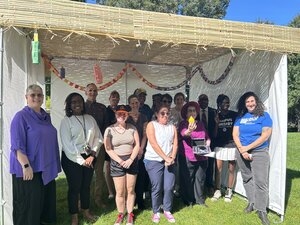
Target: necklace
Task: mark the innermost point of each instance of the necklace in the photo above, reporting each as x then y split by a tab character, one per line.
82	125
120	130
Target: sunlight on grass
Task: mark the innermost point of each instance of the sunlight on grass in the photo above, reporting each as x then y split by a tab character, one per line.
217	213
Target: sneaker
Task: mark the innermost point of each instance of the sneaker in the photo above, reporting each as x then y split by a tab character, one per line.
119	219
228	195
169	217
156	217
216	196
130	217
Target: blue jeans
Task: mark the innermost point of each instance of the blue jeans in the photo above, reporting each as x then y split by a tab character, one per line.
255	176
162	180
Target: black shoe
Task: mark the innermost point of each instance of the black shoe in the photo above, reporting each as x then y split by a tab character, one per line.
249	208
263	217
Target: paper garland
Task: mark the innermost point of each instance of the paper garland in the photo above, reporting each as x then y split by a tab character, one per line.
140	76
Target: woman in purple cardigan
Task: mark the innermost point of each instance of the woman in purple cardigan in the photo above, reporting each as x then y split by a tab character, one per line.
34	162
192	167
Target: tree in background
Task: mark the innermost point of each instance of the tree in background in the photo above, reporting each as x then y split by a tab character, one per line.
200	8
294	84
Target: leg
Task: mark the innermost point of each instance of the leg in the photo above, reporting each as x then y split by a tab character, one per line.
74	174
186	184
120	183
99	178
246	172
140	182
85	193
219	165
49	207
168	183
130	186
210	175
231	176
199	183
108	179
27	200
155	170
260	168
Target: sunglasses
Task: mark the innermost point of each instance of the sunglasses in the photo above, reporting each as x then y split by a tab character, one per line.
36	95
121	114
167	101
164	113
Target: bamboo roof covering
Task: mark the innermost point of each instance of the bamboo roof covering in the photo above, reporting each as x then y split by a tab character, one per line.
79	30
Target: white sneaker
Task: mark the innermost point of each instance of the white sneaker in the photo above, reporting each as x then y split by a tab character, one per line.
216	196
228	195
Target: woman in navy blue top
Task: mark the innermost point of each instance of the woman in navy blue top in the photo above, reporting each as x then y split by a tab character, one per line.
251	133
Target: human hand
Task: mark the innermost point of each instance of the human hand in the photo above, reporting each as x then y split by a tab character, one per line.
247	156
89	162
127	163
169	161
140	154
27	173
192	126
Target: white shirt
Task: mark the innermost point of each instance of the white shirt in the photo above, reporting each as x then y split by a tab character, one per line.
73	138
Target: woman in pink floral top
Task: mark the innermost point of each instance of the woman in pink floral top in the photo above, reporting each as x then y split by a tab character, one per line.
192	167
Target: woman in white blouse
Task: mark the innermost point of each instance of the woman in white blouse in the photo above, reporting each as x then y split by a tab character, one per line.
81	140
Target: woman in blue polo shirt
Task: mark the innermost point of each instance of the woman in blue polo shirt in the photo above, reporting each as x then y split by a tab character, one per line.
251	132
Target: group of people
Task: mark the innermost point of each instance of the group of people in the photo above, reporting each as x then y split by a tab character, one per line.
136	145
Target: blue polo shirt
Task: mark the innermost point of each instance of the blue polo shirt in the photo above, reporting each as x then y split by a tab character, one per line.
250	128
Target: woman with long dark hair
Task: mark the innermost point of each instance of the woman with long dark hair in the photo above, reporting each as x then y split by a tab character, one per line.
251	133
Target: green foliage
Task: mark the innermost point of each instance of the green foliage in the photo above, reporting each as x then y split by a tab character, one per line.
203	8
294	81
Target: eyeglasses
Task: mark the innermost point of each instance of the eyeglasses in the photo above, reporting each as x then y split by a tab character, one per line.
164	113
191	110
36	95
121	114
167	101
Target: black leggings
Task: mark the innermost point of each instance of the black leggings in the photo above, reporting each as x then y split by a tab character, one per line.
79	181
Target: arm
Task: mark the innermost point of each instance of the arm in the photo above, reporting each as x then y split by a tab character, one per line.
175	145
143	141
109	147
67	143
265	134
135	150
23	160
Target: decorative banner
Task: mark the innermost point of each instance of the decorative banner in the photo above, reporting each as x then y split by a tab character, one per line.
98	76
222	77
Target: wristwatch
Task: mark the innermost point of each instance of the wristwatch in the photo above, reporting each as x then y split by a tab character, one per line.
26	165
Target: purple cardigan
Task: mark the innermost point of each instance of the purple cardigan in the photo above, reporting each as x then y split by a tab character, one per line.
34	135
186	148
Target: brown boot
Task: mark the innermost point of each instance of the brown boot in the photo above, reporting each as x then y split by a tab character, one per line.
74	220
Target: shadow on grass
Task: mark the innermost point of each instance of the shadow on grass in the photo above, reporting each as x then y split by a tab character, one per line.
290	175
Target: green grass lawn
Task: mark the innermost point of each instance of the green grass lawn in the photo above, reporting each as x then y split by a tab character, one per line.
217	212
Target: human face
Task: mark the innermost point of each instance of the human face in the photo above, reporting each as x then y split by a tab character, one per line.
250	104
77	105
35	98
91	92
166	102
203	101
134	104
179	100
114	100
142	98
121	116
225	105
163	115
191	111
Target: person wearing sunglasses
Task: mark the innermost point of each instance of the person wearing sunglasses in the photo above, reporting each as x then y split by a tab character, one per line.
159	161
34	162
166	100
122	144
192	165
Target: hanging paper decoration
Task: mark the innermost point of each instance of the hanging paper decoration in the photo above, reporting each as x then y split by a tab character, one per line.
35	49
98	74
62	72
